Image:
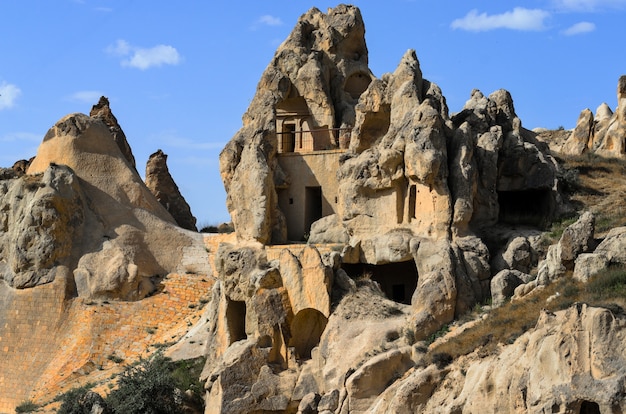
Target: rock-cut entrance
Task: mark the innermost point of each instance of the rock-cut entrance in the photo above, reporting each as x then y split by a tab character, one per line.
397	280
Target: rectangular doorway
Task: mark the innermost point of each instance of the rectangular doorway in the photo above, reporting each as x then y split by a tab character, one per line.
312	207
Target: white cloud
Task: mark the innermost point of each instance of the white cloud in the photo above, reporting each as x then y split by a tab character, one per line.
579	28
270	20
144	58
8	95
120	48
588	5
267	20
91	97
517	19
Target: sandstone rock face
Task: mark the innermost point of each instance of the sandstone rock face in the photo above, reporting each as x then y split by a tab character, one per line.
406	163
504	283
323	54
81	209
102	111
610	252
603	134
575	240
162	185
576	351
378	165
41	218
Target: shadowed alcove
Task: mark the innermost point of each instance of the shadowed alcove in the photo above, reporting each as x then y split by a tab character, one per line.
397	280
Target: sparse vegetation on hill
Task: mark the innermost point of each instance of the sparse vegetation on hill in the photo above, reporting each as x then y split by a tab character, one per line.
503	325
155	385
597	184
592	183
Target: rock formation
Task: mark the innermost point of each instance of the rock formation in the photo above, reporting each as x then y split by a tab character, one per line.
413	216
604	134
102	111
377	167
160	183
82	213
330	152
571	362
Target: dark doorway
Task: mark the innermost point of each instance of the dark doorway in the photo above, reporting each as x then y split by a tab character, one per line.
530	207
236	320
312	207
289	137
397	280
589	407
412	197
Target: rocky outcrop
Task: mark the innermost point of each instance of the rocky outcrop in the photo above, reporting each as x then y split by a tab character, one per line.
102	111
310	69
575	240
406	163
83	213
162	185
609	253
398	179
572	361
603	134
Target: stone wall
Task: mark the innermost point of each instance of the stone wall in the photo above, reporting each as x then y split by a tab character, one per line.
306	173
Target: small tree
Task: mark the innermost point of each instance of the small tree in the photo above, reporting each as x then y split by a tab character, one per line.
145	388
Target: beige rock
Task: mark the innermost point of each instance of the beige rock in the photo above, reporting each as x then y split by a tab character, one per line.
90	212
41	217
504	283
516	255
613	246
433	303
577	238
307	282
576	351
322	66
102	111
604	135
409	395
364	321
375	375
582	136
162	185
589	264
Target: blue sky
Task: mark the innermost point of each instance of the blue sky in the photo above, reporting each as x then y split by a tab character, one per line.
180	75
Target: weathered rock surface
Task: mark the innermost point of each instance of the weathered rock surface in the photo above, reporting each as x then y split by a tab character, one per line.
82	209
398	180
504	283
162	185
575	240
102	111
603	134
403	146
609	253
572	361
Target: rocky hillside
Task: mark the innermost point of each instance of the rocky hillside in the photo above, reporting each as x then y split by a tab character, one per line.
388	256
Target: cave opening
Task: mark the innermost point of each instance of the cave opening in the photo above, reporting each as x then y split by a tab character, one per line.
589	407
398	281
236	320
528	207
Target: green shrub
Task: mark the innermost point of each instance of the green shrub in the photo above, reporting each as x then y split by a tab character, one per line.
72	402
26	407
145	388
441	332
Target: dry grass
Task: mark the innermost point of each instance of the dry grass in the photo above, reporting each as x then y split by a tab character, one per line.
591	183
506	323
597	184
